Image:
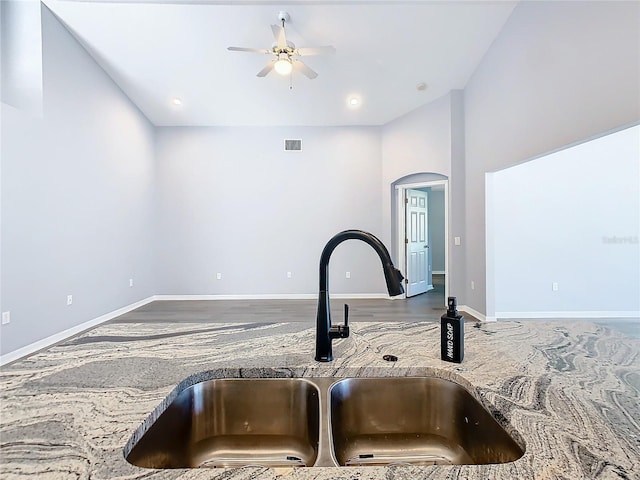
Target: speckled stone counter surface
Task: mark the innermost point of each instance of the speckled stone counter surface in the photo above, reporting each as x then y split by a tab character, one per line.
568	391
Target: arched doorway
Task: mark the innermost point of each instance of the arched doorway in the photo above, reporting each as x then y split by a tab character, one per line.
436	188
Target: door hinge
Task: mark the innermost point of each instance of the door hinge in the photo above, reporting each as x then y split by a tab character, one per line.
406	201
406	281
406	240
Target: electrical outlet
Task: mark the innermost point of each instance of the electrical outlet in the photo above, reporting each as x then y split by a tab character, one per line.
554	286
131	282
288	274
348	275
6	318
219	276
69	299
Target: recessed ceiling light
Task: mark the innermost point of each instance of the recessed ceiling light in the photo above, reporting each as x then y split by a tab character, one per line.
421	86
176	101
353	101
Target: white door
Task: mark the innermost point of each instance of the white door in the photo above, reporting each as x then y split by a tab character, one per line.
416	241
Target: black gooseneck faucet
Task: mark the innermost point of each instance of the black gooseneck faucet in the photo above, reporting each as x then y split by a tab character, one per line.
325	332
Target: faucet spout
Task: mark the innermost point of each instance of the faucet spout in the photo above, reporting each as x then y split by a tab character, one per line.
325	332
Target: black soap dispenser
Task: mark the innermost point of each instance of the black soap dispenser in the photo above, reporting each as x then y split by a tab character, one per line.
452	333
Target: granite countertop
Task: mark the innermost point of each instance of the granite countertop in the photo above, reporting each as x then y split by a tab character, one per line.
569	391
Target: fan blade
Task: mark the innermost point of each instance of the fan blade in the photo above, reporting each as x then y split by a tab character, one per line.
278	34
328	50
298	65
266	70
251	50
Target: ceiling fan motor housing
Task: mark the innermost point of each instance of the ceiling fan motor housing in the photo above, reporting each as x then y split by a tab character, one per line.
290	47
284	16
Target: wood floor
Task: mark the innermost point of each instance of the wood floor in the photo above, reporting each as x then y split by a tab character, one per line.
427	307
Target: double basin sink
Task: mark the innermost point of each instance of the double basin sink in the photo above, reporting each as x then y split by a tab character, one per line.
323	422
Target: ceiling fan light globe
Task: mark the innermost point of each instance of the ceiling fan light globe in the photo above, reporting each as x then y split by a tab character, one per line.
283	67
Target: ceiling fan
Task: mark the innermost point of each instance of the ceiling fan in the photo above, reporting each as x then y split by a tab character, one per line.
285	53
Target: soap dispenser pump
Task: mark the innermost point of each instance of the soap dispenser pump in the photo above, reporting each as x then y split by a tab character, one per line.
452	333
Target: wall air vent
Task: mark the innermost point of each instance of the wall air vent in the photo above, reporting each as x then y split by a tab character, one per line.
291	145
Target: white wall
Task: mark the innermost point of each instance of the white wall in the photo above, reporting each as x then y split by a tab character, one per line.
232	201
552	225
77	198
559	72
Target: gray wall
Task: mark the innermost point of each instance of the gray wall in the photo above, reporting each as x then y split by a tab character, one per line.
21	55
418	142
551	225
559	72
77	198
457	200
428	144
231	201
436	229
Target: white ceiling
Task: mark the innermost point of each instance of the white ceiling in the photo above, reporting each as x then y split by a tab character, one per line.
158	50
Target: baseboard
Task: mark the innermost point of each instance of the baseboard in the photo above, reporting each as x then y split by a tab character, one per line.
474	313
271	296
70	332
356	296
570	314
301	296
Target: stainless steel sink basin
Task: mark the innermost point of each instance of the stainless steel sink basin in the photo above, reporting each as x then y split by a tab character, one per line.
322	422
420	421
233	423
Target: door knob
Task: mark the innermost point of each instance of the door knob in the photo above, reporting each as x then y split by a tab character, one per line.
426	246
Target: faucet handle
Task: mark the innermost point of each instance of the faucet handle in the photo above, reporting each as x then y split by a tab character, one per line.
341	331
346	315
